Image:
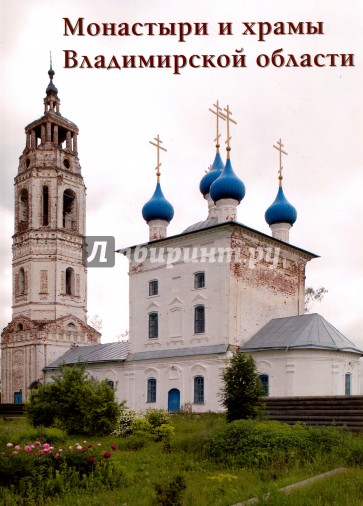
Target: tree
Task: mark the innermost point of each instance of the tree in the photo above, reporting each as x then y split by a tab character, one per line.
241	392
96	322
312	295
78	403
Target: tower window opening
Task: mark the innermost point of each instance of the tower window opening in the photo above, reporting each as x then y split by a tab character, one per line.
69	281
69	210
23	210
45	220
21	281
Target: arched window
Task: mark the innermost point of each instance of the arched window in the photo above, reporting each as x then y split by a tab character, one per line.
264	381
199	320
23	212
69	210
199	390
69	281
111	384
21	281
348	383
45	220
151	390
153	325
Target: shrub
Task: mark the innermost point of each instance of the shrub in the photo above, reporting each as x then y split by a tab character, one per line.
241	392
153	424
74	401
170	493
245	443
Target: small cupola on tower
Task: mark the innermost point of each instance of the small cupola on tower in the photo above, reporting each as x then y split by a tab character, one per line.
157	212
281	215
51	101
216	169
227	190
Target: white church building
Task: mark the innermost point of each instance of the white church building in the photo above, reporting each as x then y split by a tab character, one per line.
195	297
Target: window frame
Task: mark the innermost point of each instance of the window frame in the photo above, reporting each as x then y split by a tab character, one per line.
199	280
199	393
199	319
348	384
151	390
153	283
153	327
265	383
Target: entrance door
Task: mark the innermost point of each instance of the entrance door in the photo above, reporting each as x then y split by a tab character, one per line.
174	400
18	397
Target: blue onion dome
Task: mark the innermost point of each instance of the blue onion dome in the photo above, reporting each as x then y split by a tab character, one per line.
158	208
228	185
212	174
281	211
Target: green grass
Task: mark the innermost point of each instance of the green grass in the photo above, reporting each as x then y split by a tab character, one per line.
207	481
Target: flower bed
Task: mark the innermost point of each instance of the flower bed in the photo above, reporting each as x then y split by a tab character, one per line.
54	469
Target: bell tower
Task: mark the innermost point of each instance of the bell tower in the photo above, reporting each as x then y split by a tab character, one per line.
49	275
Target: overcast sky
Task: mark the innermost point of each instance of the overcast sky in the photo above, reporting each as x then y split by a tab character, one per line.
317	112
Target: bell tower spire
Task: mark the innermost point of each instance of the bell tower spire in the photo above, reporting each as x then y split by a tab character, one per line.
51	101
49	275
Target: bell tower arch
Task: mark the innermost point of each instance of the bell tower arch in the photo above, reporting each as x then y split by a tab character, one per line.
49	274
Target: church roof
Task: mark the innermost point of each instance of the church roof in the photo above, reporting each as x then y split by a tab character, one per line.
207	225
209	222
178	352
309	331
108	352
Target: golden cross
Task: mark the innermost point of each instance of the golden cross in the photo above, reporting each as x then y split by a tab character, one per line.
158	147
227	116
218	113
280	150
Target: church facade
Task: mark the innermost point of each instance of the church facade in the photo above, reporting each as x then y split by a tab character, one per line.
195	297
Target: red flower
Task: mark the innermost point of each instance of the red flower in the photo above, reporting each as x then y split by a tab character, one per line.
107	455
114	447
90	446
91	460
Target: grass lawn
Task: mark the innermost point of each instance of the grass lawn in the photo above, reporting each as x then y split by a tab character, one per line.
144	465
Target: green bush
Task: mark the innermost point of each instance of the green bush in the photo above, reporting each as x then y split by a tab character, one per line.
245	443
157	417
153	424
170	493
241	391
75	402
